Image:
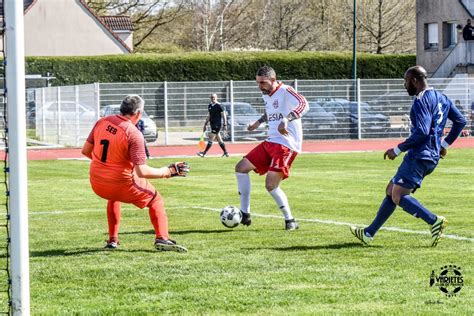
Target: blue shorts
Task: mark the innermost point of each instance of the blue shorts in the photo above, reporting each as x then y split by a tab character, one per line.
411	172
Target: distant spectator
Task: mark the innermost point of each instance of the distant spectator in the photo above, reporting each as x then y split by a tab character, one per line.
468	31
141	127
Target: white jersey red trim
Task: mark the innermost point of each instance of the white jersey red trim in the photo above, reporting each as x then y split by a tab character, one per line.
278	104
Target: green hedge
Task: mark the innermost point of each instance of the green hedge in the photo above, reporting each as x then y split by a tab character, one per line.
216	66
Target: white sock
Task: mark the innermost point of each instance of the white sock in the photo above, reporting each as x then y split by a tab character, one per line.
282	201
244	186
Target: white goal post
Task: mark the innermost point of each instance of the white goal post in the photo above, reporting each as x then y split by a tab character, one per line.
17	155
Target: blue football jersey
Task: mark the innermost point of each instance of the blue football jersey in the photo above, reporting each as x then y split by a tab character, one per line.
429	114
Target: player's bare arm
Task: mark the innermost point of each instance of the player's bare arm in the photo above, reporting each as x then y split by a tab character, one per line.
257	123
283	127
224	120
208	118
87	149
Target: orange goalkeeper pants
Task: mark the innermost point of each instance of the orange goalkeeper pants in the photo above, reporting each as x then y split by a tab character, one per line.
141	193
157	214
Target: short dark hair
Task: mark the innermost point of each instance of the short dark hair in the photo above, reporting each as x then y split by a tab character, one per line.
266	71
131	104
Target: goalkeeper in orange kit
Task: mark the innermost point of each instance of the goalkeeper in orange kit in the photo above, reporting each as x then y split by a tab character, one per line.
119	173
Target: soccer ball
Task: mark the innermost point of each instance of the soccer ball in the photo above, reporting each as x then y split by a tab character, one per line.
231	216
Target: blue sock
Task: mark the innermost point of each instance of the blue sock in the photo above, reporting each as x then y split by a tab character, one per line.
413	207
385	211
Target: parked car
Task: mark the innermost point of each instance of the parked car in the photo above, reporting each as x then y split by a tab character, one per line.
373	124
67	111
392	104
66	122
244	114
318	123
150	133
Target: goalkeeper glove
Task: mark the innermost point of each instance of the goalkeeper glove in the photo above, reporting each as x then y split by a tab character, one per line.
180	169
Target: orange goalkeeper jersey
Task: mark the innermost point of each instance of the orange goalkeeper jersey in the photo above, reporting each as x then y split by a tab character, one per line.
118	147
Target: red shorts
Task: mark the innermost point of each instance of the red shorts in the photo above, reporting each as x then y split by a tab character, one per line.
140	193
269	156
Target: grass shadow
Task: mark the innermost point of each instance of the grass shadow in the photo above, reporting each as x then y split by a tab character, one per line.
181	232
68	252
318	247
201	231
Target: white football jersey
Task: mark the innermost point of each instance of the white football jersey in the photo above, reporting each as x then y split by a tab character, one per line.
278	105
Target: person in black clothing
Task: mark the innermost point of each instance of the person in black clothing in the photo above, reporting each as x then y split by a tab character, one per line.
468	31
215	117
141	127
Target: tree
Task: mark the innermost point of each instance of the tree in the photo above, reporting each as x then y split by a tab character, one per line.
331	28
221	25
386	26
290	24
209	22
147	15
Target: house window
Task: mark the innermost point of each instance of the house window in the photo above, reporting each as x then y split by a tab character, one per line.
431	36
449	34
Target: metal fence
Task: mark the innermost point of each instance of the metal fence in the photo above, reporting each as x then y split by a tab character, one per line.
63	115
344	109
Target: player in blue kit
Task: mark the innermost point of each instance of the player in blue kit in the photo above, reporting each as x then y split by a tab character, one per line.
429	113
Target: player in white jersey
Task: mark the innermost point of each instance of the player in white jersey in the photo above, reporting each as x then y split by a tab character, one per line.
284	108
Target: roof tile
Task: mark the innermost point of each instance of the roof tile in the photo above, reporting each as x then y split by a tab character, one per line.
118	22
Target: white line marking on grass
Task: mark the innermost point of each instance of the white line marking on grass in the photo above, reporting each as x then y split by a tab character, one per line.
312	220
330	222
67	212
236	154
75	158
341	151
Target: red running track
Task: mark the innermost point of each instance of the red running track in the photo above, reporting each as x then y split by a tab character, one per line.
242	148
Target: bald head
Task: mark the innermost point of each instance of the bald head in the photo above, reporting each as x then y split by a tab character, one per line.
417	72
415	80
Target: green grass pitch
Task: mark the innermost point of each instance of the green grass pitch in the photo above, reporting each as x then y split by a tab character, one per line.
261	269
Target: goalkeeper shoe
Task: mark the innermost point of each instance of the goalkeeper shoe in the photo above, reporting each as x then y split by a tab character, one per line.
200	154
291	224
437	230
359	233
246	220
168	245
